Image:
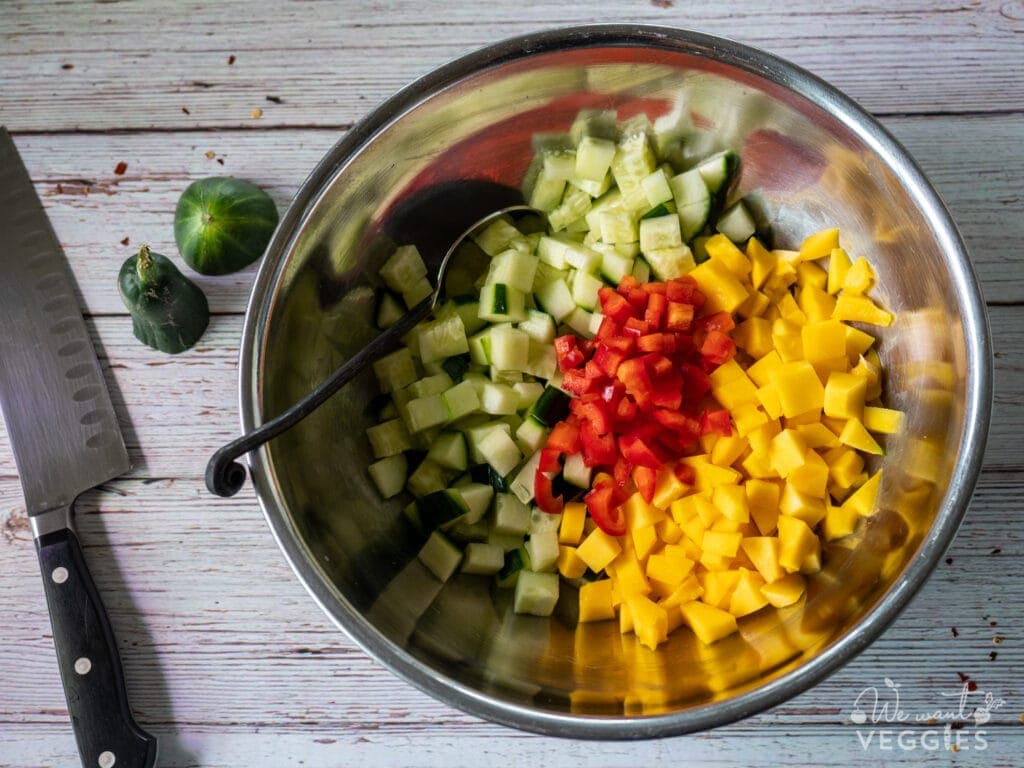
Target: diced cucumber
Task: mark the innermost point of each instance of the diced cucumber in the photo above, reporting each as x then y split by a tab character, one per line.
610	201
599	123
693	201
560	164
656	188
477	498
426	412
440	556
417	292
660	232
438	510
593	188
551	251
496	236
461	400
500	451
388	411
667	263
389	438
427	478
584	290
468	308
547	191
528	393
443	338
531	436
480	347
555	299
431	385
476	434
511	516
522	484
499	376
717	169
596	318
542	548
641	270
487	476
510	348
456	367
514	269
395	370
542	361
583	258
389	310
617	226
593	158
449	450
576	471
389	474
539	326
404	269
516	561
466	532
634	160
498	399
575	204
541	522
614	266
536	593
483	559
736	223
579	320
551	407
500	303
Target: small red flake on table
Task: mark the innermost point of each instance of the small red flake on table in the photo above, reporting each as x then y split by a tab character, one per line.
120	168
125	241
231	59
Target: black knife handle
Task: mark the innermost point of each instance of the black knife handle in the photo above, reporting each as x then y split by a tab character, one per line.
90	665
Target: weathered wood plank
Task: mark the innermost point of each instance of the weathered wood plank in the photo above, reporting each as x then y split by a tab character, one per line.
180	409
894	58
976	163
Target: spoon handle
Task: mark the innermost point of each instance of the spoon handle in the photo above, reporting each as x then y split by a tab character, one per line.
225	475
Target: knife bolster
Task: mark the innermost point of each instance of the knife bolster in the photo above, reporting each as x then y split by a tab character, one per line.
50	521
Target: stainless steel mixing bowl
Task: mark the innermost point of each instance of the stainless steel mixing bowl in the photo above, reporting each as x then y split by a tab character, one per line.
811	158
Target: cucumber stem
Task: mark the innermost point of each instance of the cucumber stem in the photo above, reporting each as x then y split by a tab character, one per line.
143	264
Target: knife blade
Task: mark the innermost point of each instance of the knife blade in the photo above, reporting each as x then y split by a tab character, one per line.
65	438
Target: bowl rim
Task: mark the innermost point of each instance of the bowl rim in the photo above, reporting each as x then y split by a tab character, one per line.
840	650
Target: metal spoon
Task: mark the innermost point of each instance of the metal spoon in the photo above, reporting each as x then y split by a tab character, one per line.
224	474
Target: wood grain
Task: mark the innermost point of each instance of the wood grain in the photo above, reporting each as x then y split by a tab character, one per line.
329	63
976	163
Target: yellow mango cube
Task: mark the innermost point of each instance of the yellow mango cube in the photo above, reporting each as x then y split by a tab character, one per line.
668	569
839	522
811	477
689	589
817	435
763	371
731	501
628	574
754	336
598	550
707	622
708	475
860	309
758	464
722	248
844	396
768	396
856	436
824	340
747	597
761	437
569	564
857	342
799	388
755	306
668	489
784	591
796	542
722	543
788	451
762	262
763	501
718	586
728	449
645	539
650	621
639	512
872	373
763	552
838	266
748	418
864	498
802	506
570	530
626	618
787	341
722	290
844	465
859	278
735	392
669	531
883	420
596	601
819	245
816	305
810	275
712	561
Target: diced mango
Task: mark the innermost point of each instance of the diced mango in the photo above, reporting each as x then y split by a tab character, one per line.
811	477
790	310
803	506
762	262
763	552
838	266
596	601
817	435
570	530
598	549
722	290
859	278
707	622
650	621
863	499
628	575
747	596
763	500
667	571
708	475
722	248
840	521
788	451
669	531
689	589
569	563
734	392
731	501
754	336
722	543
857	342
755	306
748	418
787	341
823	340
860	309
784	591
815	303
645	539
768	396
883	420
844	396
872	374
799	388
763	371
855	436
796	542
819	245
718	586
844	466
727	449
668	489
810	275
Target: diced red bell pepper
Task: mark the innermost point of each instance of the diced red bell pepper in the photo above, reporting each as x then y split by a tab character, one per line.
678	422
614	305
718	347
622	343
715	421
607	329
684	473
595	414
549	461
608	359
658	364
621	472
625	411
568	352
607	514
655	312
654	288
544	495
638	300
720	321
592	370
696	383
646	479
597	449
565	437
638	453
575	382
678	316
634	326
633	375
657	342
627	284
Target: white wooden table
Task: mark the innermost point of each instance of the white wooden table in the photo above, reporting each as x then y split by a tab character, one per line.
228	661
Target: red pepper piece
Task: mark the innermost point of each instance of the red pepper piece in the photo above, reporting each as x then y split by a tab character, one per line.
678	316
696	383
635	327
684	473
621	472
607	359
715	421
625	411
607	329
657	342
718	347
575	382
565	437
655	313
544	495
638	453
646	479
627	284
622	343
654	288
601	503
595	414
615	306
720	321
597	449
549	461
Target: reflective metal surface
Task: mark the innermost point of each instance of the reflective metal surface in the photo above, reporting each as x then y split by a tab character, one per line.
811	158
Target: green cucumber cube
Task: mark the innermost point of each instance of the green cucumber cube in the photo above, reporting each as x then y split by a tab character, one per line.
389	438
736	223
617	226
531	436
498	399
431	385
510	348
395	370
443	338
547	191
539	326
496	236
575	204
542	361
593	158
500	451
580	321
404	269
514	269
584	290
543	549
484	559
427	478
555	298
461	400
440	556
511	516
501	303
536	593
656	188
660	232
417	292
477	498
528	392
667	263
449	450
389	474
389	311
426	412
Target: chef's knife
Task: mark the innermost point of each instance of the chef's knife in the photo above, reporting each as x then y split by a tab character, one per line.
66	440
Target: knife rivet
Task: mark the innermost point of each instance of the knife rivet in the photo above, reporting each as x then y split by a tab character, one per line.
59	575
83	665
106	759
